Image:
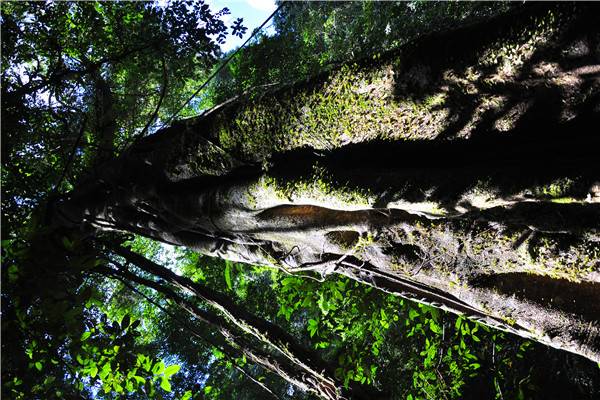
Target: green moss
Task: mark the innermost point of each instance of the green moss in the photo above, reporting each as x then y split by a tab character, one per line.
319	188
434	100
346	240
557	189
564	200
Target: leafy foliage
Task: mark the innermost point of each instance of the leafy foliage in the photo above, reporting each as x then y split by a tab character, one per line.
341	314
312	37
81	80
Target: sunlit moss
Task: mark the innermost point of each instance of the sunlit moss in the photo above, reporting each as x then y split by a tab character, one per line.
319	189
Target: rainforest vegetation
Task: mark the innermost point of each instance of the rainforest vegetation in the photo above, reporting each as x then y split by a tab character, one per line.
368	200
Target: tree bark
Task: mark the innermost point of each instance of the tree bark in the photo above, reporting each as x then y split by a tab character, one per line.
464	178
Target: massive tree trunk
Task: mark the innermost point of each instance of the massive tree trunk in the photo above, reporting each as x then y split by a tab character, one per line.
460	171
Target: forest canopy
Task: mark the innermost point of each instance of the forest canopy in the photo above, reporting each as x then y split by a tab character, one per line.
372	200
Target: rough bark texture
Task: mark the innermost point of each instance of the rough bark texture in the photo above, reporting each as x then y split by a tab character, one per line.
460	171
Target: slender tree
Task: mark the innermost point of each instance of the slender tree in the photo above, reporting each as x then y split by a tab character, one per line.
300	366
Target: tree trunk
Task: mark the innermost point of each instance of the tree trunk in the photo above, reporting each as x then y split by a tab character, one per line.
460	171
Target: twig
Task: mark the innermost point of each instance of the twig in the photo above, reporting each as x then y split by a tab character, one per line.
212	76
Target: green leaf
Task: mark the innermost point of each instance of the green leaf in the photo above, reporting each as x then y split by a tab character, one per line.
67	243
85	336
171	370
412	314
217	353
312	327
13	273
228	275
126	321
98	7
435	328
118	388
38	365
106	368
165	384
134	324
458	323
93	371
158	368
187	395
383	315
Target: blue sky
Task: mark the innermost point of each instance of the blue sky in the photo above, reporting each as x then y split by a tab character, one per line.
254	12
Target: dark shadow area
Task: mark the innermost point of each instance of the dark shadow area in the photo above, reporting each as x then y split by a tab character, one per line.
546	216
569	56
553	375
581	299
505	164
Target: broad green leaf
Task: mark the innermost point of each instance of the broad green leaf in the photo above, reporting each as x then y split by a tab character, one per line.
118	388
217	353
171	370
435	328
165	384
158	368
126	321
412	314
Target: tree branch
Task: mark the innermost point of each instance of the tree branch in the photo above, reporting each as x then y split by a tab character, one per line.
186	325
163	92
